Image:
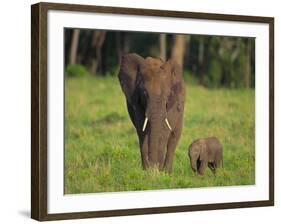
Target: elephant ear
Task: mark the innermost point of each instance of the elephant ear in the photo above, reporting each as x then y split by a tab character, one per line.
177	91
129	66
203	151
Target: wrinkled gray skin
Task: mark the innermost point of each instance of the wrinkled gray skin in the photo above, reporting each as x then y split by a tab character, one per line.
154	90
205	152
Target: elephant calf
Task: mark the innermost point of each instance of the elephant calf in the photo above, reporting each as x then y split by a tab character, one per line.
205	152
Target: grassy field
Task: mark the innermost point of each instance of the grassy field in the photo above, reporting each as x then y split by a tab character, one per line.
101	146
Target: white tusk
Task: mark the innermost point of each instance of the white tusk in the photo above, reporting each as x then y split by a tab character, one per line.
167	122
144	124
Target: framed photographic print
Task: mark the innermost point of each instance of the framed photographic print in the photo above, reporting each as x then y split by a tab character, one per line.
138	111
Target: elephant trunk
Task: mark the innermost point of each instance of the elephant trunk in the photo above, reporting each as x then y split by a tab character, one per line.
153	146
158	126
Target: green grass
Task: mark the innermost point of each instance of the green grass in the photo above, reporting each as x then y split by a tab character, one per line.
101	146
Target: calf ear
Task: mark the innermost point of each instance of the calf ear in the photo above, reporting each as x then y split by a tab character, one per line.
203	152
176	83
129	66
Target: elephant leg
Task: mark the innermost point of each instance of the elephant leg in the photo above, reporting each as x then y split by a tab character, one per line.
136	116
193	162
171	147
144	151
212	167
218	162
202	168
198	163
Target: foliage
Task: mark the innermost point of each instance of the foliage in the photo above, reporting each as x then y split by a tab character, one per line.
101	147
76	70
214	75
216	61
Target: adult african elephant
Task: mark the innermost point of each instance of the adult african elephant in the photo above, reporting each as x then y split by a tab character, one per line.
155	95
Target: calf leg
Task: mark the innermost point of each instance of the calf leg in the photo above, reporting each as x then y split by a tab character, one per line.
212	167
194	165
203	166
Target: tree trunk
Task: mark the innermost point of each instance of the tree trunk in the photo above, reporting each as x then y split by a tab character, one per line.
248	64
74	46
162	40
98	41
201	60
126	45
178	49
